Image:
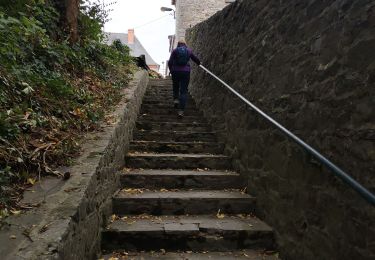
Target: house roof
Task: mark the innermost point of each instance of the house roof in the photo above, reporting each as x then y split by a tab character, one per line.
136	49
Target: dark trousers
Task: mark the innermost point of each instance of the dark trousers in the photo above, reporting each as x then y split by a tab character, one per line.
180	87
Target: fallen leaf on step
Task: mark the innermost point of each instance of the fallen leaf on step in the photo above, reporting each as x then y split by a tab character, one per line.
220	216
127	170
31	181
113	218
133	191
44	228
15	212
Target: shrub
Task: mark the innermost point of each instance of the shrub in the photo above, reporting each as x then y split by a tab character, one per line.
51	92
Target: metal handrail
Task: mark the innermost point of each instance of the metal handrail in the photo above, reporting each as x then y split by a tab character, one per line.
366	194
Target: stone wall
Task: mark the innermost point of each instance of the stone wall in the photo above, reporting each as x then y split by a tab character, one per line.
310	65
191	12
68	222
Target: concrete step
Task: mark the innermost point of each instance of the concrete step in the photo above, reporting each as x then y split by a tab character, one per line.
176	147
175	125
174	136
195	233
171	118
190	255
181	179
181	202
177	161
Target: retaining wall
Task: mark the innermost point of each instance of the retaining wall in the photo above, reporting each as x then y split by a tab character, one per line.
310	65
68	222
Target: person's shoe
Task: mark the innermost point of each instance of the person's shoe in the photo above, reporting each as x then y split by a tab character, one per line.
176	103
180	114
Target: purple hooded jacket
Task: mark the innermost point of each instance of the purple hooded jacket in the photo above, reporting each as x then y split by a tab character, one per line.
172	64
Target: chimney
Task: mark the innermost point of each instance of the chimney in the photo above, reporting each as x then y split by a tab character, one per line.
131	36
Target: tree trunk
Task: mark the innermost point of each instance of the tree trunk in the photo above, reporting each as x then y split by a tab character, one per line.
69	11
72	12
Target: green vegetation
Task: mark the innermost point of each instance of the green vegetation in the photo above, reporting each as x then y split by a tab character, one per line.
52	91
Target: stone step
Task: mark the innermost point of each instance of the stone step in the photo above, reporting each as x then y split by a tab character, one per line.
171	118
174	136
182	202
160	91
169	111
175	125
181	179
152	107
177	161
160	98
157	84
163	102
168	104
165	93
164	87
195	233
189	255
176	147
167	88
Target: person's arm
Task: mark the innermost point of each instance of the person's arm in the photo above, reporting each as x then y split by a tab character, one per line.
195	59
170	61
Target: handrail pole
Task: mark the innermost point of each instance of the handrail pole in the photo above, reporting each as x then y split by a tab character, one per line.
366	194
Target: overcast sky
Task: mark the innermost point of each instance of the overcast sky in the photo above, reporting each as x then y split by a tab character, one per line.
141	15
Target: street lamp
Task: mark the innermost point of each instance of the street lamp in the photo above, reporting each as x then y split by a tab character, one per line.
167	9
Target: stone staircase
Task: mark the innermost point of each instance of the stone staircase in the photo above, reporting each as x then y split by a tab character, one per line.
179	197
